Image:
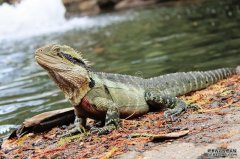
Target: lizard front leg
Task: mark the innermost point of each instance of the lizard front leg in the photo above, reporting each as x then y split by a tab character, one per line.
112	118
80	124
176	105
79	127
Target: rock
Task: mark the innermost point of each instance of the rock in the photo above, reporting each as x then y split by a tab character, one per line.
124	4
81	7
93	7
9	1
107	4
89	7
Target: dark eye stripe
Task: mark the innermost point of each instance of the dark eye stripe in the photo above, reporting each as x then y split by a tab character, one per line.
73	59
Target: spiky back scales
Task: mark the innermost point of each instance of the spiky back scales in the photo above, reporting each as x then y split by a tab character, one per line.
174	84
181	83
127	80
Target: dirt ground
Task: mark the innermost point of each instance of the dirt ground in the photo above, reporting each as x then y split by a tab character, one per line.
211	131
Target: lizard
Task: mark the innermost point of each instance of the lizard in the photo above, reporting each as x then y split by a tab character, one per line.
108	97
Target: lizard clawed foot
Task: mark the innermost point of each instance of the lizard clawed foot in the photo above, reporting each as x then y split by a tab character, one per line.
103	130
74	131
194	106
78	128
169	115
173	114
99	124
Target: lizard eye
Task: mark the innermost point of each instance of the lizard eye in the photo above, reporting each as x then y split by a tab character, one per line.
60	55
56	48
39	50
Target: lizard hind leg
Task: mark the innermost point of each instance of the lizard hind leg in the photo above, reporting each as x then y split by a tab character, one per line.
175	106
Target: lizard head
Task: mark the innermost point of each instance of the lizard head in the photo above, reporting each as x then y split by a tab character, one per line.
67	68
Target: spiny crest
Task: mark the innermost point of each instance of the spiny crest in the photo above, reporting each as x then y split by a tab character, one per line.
83	59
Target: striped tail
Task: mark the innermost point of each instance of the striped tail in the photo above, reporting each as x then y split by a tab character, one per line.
214	76
201	79
176	84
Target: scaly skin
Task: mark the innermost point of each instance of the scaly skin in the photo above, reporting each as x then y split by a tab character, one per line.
108	97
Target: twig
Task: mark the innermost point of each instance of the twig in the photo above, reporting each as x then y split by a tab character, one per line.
161	136
109	153
225	106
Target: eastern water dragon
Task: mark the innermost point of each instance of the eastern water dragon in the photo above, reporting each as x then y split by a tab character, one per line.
108	97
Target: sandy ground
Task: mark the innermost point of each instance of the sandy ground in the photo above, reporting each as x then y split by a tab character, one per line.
207	132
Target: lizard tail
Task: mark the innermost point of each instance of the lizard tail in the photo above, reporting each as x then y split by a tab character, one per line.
238	70
216	75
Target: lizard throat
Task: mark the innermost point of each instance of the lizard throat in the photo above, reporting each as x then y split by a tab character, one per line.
73	91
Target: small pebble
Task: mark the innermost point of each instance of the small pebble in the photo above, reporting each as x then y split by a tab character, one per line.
64	126
214	104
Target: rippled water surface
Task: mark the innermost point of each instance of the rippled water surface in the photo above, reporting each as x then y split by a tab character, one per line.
149	42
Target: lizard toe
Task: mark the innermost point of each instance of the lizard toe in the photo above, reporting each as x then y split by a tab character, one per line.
99	131
172	115
194	107
94	130
74	131
102	130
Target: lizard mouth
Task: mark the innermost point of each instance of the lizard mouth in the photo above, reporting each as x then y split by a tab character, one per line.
51	63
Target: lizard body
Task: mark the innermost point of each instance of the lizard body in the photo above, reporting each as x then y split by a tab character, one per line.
108	97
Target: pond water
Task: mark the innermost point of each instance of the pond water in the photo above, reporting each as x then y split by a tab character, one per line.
145	42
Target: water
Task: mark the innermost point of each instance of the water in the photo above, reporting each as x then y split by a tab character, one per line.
146	42
39	17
